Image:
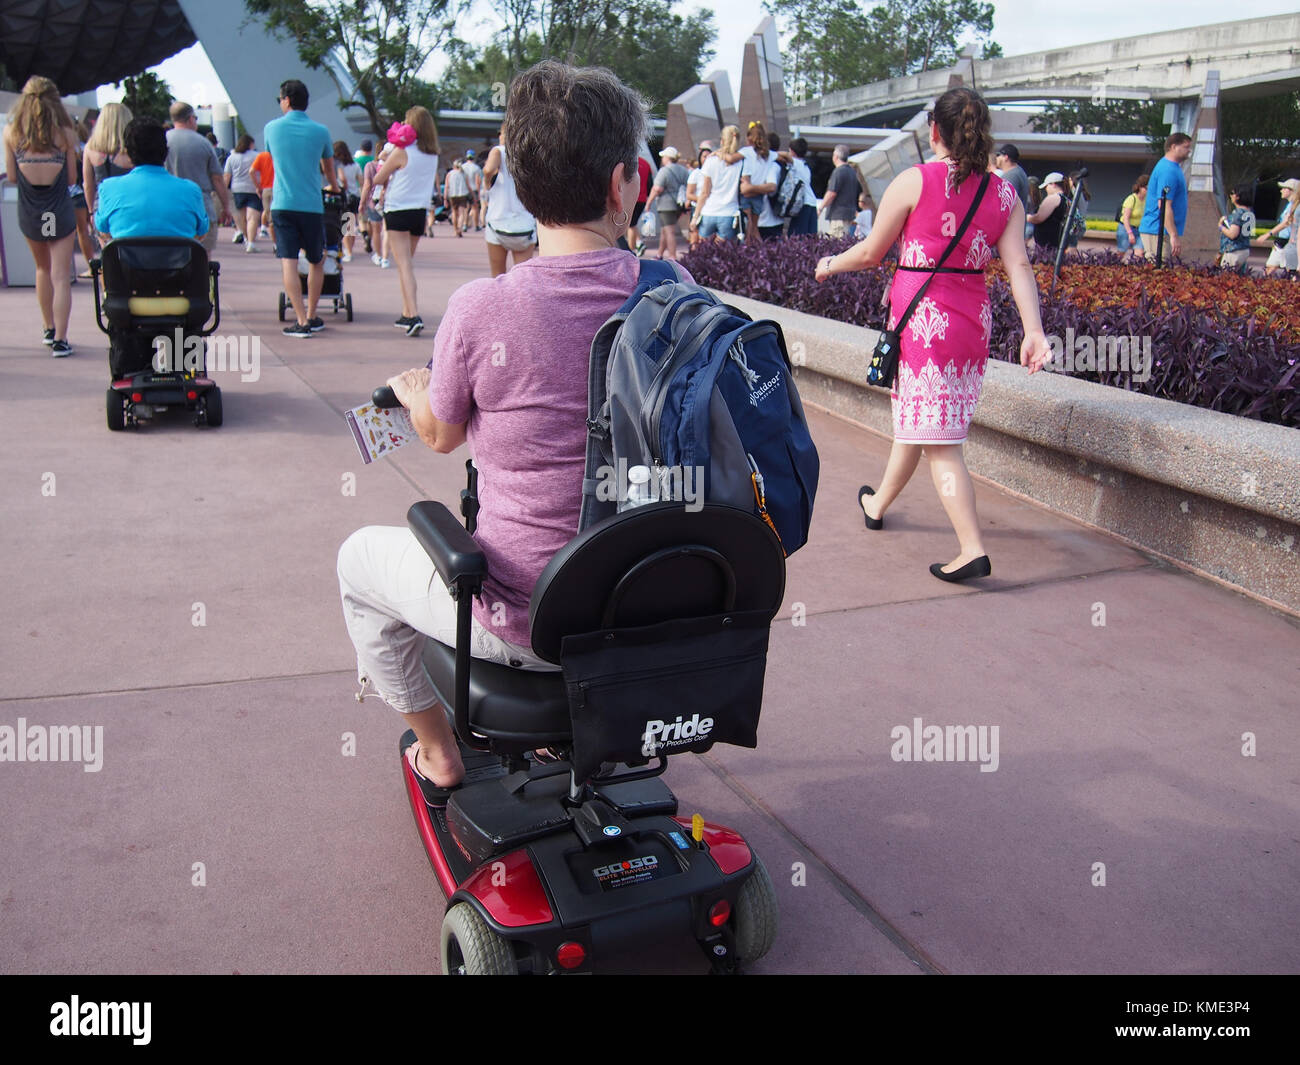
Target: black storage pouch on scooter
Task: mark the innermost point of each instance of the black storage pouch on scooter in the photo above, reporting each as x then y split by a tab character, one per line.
672	688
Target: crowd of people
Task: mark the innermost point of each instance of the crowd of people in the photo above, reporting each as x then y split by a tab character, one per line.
725	191
84	182
728	192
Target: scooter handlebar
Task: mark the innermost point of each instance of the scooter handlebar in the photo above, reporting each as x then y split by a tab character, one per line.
384	397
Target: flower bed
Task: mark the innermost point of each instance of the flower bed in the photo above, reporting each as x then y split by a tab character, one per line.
1219	340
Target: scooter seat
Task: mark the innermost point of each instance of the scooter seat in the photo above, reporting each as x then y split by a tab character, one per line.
526	705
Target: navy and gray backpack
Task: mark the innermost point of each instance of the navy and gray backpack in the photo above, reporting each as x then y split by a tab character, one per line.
694	390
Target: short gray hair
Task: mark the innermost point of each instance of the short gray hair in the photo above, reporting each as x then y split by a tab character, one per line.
565	130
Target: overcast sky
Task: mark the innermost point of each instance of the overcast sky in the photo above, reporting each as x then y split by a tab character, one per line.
1018	25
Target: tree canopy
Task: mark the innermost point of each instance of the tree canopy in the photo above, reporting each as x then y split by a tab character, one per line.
377	51
837	44
380	45
147	94
645	42
1261	138
1144	117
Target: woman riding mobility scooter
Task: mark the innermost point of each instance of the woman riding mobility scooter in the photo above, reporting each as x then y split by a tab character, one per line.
659	618
158	295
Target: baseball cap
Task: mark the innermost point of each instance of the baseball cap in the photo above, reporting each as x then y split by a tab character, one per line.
469	154
668	153
1289	183
1054	178
706	146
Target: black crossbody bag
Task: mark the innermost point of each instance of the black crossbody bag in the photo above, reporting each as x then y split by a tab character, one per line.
884	360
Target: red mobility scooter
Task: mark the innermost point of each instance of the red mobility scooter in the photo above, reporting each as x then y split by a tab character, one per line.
659	619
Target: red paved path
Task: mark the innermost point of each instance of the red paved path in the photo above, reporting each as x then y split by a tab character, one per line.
1118	744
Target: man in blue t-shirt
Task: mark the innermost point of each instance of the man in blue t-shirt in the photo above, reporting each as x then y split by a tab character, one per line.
148	201
1168	173
299	149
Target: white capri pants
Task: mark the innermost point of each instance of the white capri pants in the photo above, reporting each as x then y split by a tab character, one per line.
392	599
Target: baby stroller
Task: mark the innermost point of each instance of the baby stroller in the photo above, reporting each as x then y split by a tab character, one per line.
158	293
333	220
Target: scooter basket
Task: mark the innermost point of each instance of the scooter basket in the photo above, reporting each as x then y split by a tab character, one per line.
672	688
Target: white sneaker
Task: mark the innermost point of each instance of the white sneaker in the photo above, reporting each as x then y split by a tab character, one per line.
347	258
384	264
262	231
250	247
375	259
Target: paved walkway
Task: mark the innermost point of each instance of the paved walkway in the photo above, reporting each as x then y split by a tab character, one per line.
1118	744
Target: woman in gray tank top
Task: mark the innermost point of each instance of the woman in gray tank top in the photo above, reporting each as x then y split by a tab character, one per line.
41	153
105	155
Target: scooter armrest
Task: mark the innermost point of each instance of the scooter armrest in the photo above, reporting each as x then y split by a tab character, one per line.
460	562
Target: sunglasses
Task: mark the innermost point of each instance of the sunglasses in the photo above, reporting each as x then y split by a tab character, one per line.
929	117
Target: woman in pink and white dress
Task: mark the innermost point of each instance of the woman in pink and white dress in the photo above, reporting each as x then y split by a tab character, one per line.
945	344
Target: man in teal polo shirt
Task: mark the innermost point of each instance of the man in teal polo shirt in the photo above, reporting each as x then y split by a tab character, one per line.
148	201
299	149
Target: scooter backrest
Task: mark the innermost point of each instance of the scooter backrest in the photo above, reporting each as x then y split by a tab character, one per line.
655	564
150	269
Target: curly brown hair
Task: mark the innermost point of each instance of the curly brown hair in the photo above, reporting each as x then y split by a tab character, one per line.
962	118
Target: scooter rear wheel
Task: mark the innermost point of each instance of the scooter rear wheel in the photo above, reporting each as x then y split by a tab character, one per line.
756	915
116	410
471	948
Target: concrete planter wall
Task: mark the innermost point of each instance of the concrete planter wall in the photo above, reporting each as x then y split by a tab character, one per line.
1214	492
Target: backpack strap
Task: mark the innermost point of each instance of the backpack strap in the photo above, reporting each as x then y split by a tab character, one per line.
952	244
651	273
656	272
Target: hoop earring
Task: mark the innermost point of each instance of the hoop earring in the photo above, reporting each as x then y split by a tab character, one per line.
620	226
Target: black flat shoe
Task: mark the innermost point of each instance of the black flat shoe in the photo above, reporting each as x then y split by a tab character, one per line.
872	523
976	567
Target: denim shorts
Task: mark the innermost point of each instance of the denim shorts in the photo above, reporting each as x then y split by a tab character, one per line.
247	200
723	225
299	230
752	203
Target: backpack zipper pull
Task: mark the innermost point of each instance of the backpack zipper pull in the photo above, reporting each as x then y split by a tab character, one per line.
737	354
760	500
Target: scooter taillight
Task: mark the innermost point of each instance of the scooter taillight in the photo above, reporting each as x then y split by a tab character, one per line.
719	912
571	955
137	397
191	395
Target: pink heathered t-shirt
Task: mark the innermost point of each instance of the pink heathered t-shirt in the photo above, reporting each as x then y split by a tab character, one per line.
510	359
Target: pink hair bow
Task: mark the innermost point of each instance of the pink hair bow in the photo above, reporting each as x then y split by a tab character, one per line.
401	135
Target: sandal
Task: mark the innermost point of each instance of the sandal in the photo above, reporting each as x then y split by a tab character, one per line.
548	756
435	795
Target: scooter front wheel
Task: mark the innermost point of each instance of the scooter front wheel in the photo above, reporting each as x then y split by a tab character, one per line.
471	948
